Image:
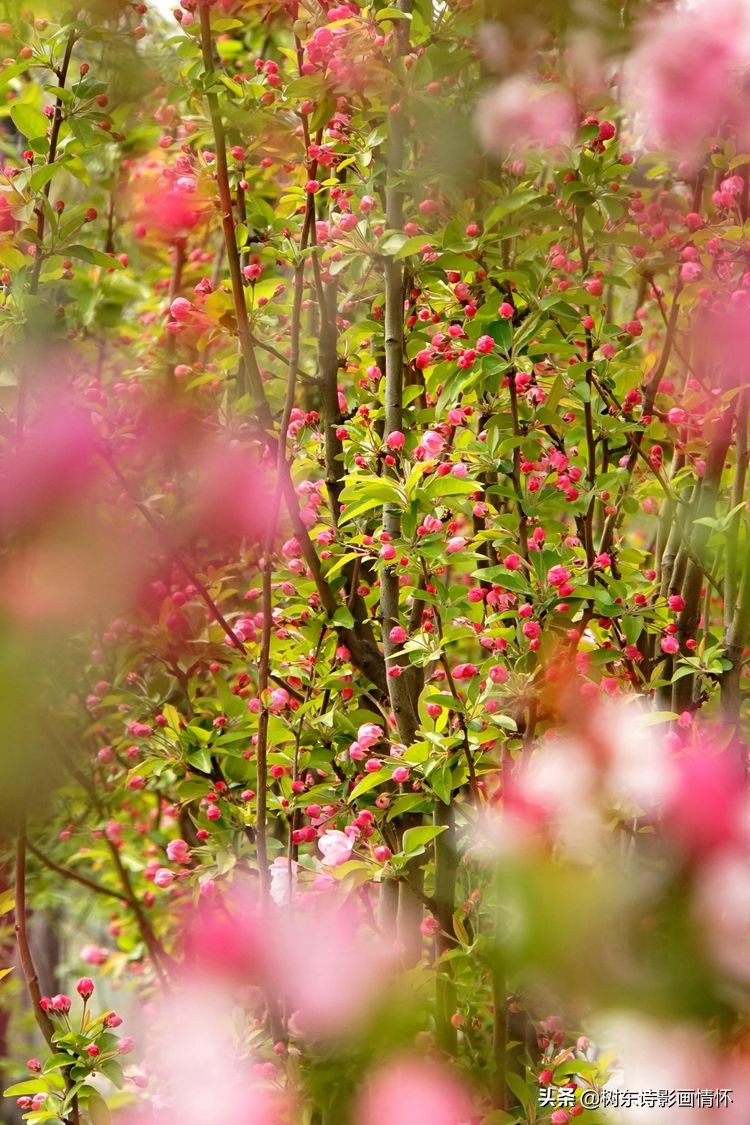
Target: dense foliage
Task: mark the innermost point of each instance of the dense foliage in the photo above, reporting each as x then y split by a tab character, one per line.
374	548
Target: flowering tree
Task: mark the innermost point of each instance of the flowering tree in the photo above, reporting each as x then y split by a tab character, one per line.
375	560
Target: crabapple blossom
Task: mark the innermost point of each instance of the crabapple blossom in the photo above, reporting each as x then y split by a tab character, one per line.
335	847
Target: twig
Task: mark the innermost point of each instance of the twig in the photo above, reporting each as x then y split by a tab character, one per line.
68	873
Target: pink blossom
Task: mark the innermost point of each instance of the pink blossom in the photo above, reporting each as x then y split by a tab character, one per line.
278	700
193	1042
335	847
163	877
368	734
85	987
705	808
415	1092
721	340
283	880
525	113
94	955
456	544
178	851
465	671
685	78
432	443
181	309
558	575
331	988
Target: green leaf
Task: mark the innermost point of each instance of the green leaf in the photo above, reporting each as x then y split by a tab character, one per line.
450	486
459	929
501	332
384	491
343	617
519	1088
339	564
30	1086
416	839
88	254
201	760
441	782
354	510
225	24
98	1109
112	1070
368	782
11	257
392	14
54	1062
632	628
41	176
29	121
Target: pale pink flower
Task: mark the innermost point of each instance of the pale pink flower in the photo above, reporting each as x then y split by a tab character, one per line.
721	907
721	343
368	734
414	1091
196	1069
344	967
432	443
94	954
685	78
279	699
526	114
335	847
283	880
705	808
668	1056
178	851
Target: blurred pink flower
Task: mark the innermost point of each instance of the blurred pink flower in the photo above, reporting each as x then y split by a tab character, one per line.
526	114
705	808
415	1092
721	342
196	1068
94	954
345	966
684	80
166	201
234	944
48	471
232	493
721	907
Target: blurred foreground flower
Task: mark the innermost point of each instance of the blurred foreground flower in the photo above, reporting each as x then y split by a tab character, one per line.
415	1092
686	80
524	114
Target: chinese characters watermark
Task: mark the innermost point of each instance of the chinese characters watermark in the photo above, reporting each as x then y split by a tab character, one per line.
565	1097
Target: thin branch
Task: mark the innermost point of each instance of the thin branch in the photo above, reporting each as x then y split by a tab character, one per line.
69	873
252	370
